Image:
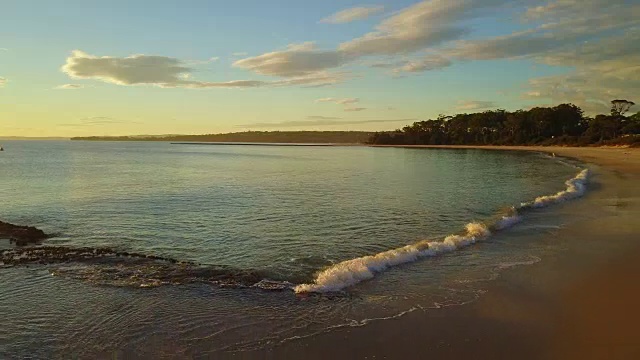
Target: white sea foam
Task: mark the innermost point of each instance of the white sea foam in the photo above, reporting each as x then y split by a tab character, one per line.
576	187
351	272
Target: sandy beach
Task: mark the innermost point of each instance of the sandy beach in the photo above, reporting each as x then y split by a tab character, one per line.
581	304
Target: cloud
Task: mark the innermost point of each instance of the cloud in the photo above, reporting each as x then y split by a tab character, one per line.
3	81
4	49
416	27
97	121
421	26
317	79
202	62
562	24
132	70
599	39
169	72
476	105
320	122
319	117
352	14
297	60
341	101
426	64
69	87
354	109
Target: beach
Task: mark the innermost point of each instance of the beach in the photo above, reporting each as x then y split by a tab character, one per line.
557	283
580	304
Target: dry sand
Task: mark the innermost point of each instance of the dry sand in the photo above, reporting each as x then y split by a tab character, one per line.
581	304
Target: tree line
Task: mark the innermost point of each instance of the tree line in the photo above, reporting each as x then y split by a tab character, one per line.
565	124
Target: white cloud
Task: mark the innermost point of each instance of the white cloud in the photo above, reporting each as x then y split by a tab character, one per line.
132	70
352	14
169	72
426	24
425	64
4	49
341	101
598	38
419	26
69	87
3	81
317	79
476	105
297	60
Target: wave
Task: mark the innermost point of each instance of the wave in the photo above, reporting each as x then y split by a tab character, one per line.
576	187
351	272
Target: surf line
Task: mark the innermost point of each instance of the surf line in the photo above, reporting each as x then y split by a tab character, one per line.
351	272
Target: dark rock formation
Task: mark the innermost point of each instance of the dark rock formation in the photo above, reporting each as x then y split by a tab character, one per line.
108	266
21	235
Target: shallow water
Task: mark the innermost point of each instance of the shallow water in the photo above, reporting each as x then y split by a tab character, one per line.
285	213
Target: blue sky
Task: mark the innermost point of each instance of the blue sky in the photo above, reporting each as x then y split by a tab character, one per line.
141	67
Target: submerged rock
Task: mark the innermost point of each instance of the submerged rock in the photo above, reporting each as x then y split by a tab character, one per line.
107	266
22	235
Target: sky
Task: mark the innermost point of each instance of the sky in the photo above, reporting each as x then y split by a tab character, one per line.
84	67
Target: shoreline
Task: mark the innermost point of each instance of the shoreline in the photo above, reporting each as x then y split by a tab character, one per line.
616	158
578	304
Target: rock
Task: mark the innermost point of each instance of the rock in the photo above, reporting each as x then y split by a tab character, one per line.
21	235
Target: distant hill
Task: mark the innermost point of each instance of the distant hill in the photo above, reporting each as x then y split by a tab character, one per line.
32	138
312	137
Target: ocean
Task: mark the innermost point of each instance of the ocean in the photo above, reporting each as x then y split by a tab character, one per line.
230	248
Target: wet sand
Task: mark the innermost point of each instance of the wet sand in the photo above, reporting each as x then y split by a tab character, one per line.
580	304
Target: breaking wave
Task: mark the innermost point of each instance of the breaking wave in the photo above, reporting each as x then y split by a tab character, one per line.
351	272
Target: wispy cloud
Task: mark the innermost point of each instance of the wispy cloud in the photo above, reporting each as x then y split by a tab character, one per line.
321	122
296	60
4	49
352	14
3	81
340	101
69	87
416	27
202	62
320	117
97	121
425	64
353	109
476	105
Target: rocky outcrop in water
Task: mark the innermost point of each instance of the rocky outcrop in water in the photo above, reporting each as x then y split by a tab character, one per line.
22	235
106	266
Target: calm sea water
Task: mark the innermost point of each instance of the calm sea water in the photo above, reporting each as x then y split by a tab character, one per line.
284	213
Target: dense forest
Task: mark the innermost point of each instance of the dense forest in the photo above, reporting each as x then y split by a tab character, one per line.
564	124
288	137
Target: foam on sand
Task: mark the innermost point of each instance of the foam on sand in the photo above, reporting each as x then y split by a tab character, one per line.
351	272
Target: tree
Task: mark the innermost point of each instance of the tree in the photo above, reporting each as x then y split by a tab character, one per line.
619	107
